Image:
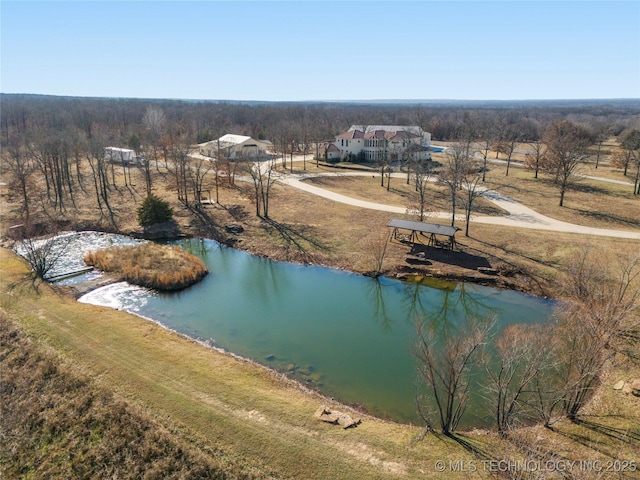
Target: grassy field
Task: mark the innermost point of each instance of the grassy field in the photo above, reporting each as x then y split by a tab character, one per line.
223	414
399	194
229	404
308	229
99	375
588	202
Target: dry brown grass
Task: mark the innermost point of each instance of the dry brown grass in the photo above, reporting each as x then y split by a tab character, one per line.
308	229
335	234
150	265
587	202
160	405
604	169
57	423
239	411
399	194
254	421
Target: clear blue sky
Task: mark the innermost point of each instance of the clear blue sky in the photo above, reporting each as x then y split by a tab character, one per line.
310	50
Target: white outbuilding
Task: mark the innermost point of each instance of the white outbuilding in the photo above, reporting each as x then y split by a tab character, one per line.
235	147
122	155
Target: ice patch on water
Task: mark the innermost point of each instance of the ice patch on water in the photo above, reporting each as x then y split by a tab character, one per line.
74	246
119	296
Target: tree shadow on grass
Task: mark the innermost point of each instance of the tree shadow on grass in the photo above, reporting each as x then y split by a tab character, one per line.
474	446
539	451
28	282
627	436
607	217
607	445
506	250
206	223
587	188
299	237
237	212
451	257
515	269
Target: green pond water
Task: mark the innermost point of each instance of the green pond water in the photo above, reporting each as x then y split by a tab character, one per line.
347	335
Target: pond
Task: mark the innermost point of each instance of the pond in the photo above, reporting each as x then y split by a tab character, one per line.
347	335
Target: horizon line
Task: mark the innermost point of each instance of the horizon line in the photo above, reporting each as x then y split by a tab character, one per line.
370	100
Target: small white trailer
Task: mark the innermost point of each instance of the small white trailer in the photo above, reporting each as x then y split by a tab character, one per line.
122	155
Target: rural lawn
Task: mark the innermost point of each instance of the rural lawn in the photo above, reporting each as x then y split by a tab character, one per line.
249	421
245	419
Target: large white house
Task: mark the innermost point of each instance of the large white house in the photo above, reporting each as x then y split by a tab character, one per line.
378	142
235	147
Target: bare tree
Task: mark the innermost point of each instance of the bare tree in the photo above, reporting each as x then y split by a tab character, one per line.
199	167
146	153
42	254
444	367
381	153
598	319
631	147
216	162
95	156
422	173
154	121
263	177
376	244
19	164
486	136
454	169
51	152
601	133
472	191
508	144
537	158
388	170
305	137
636	180
605	292
322	132
179	167
523	351
567	149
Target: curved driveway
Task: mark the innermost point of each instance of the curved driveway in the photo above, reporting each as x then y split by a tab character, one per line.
519	216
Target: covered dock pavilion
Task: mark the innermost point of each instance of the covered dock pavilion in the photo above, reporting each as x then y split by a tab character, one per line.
433	229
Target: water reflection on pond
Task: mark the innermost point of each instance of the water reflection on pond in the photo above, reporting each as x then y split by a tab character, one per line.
349	336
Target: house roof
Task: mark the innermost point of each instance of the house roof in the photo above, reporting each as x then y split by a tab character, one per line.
375	134
118	149
389	134
351	134
389	128
332	148
233	139
402	134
